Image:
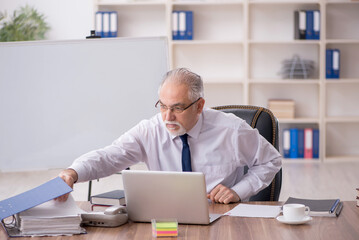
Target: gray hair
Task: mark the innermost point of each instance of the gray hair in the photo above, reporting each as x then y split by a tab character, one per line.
185	76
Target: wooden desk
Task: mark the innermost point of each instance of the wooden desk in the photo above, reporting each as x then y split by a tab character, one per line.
346	226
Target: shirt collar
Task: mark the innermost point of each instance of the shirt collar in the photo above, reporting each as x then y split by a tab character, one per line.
194	132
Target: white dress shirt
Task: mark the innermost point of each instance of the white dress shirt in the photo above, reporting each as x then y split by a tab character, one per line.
221	145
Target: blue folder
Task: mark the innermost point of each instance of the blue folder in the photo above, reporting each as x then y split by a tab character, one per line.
36	196
293	143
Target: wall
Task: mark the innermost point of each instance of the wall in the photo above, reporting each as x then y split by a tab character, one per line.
61	99
68	19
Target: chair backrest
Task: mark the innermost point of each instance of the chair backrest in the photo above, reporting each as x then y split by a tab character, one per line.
267	125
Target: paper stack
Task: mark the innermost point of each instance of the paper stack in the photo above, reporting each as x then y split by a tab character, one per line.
282	108
52	218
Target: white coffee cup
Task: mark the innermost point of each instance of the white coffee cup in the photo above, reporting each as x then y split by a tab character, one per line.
295	212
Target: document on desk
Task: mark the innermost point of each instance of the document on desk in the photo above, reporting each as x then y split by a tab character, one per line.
252	210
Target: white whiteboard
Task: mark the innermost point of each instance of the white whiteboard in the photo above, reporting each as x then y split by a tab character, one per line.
61	99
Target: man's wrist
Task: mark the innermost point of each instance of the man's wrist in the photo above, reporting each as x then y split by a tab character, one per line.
72	173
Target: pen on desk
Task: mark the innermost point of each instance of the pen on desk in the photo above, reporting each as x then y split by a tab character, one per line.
334	206
339	209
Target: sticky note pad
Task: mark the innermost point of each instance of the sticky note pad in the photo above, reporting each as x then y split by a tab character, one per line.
164	228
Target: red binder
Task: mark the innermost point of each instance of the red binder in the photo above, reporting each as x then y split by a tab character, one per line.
308	143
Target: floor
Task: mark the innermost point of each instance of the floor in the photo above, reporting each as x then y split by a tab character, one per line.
300	179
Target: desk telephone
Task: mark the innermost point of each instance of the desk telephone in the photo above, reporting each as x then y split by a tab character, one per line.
112	217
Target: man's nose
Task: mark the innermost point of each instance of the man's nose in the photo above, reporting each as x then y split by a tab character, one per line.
170	116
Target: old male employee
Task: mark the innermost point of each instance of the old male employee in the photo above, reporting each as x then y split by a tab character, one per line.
185	136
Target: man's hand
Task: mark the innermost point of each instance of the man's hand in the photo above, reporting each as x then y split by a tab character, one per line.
222	194
70	177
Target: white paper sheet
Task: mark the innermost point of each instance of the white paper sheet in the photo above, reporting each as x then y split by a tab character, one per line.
54	209
251	210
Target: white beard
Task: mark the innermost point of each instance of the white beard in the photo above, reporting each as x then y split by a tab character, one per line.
178	132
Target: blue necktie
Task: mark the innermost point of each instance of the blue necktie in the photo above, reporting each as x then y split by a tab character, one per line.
186	155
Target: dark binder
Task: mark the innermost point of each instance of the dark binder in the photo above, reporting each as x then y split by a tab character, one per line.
116	197
302	24
300	143
315	143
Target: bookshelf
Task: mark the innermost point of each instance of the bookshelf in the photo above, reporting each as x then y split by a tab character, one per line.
238	47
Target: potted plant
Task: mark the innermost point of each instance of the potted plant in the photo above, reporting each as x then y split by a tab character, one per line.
25	24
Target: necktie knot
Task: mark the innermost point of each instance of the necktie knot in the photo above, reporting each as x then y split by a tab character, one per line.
184	139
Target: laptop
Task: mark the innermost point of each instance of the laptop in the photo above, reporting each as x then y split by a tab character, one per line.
167	195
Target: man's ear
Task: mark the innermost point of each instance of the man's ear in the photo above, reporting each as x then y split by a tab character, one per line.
200	105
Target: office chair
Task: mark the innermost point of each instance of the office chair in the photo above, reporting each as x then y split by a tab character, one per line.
267	125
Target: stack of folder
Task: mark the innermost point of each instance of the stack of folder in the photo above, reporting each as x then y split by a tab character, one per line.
35	213
182	25
301	143
52	218
307	24
106	24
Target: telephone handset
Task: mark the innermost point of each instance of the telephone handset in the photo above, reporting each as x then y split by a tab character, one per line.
112	217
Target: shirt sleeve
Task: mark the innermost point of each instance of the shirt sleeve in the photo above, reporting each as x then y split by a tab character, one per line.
262	159
124	152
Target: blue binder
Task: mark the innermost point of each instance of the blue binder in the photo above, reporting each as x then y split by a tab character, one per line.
300	143
182	25
309	33
113	24
286	143
336	63
43	193
175	22
315	143
189	25
329	63
316	24
293	143
98	24
106	24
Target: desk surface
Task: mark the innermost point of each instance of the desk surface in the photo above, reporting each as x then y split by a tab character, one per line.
346	226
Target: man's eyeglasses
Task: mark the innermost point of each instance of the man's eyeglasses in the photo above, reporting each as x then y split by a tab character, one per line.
175	109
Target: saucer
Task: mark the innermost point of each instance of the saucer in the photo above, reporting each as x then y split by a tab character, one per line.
304	220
